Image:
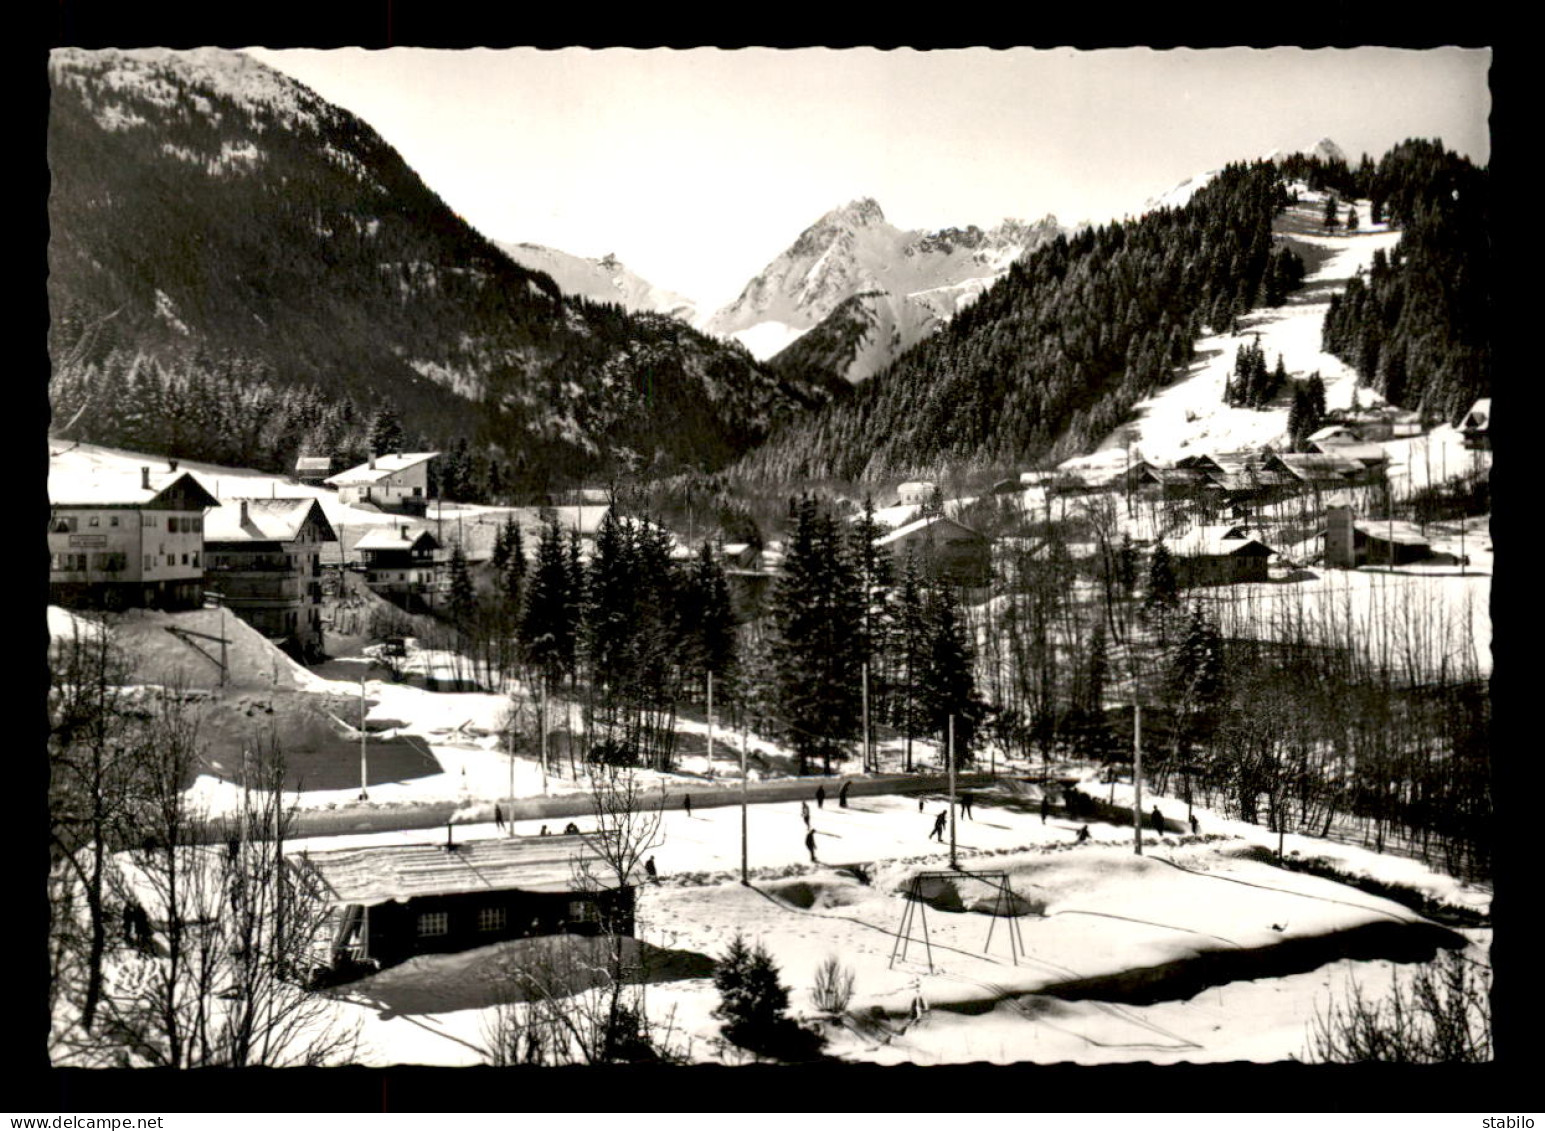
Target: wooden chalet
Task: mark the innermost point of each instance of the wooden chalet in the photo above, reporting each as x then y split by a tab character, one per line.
313	471
394	902
1476	426
404	565
1219	555
123	540
1317	469
945	547
263	557
1371	456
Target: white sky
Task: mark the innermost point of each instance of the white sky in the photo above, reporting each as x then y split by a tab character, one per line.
698	167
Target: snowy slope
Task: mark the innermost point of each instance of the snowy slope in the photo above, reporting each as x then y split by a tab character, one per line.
1189	417
601	280
926	277
1180	195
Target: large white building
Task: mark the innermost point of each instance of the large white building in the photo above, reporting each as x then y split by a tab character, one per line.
397	482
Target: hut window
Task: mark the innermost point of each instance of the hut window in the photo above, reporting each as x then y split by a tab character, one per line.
491	919
433	923
582	911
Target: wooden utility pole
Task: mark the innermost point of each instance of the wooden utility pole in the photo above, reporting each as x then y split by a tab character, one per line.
745	875
364	777
1137	771
866	716
542	723
710	724
950	756
511	815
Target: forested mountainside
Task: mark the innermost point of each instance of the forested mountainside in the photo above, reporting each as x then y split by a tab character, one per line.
1418	327
224	243
1054	355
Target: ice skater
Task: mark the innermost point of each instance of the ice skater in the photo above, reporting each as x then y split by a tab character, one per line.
1045	807
804	812
649	870
820	797
938	826
1157	818
965	806
810	844
1083	835
499	818
686	803
842	794
1195	824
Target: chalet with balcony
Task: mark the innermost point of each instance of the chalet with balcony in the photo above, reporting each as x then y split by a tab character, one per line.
263	558
393	483
130	539
394	902
407	566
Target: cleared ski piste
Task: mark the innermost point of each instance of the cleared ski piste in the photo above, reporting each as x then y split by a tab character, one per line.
1098	912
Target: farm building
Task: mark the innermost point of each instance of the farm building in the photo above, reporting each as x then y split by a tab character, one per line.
1351	542
1476	426
124	541
916	492
264	559
396	483
1371	456
313	470
397	901
1219	555
945	548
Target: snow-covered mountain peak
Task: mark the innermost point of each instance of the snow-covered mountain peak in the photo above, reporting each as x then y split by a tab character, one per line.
607	279
859	213
921	278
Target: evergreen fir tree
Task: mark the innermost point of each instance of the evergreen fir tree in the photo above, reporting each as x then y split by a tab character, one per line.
462	600
1332	212
386	435
948	687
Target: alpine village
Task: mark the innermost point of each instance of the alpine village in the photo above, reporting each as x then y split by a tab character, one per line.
1059	644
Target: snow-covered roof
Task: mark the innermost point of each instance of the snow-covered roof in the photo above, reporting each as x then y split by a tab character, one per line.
263	520
1216	541
585	518
384	466
1368	455
922	524
1391	530
1311	466
395	538
314	463
87	485
381	873
1332	432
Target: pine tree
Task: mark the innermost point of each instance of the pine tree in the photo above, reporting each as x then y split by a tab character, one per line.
1351	223
463	599
817	614
1163	587
948	687
911	639
548	628
1332	207
386	435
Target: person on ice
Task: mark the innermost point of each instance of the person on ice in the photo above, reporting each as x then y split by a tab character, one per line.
499	818
919	804
649	870
804	812
1158	820
1083	835
810	844
965	805
842	794
1194	824
686	803
820	797
938	826
1045	807
571	829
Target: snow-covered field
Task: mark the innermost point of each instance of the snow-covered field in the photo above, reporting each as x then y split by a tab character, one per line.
1099	911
